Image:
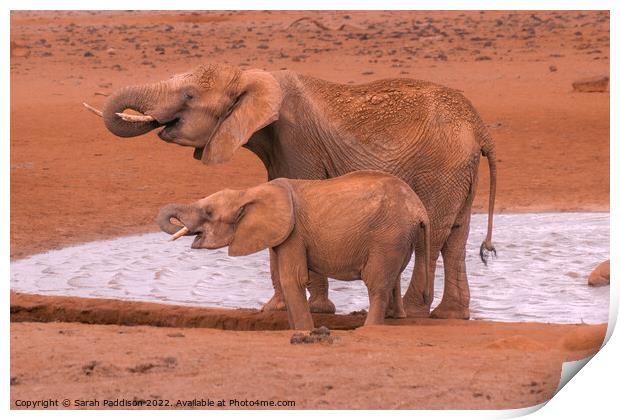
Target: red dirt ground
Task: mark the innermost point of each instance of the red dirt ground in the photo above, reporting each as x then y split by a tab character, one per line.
72	181
407	364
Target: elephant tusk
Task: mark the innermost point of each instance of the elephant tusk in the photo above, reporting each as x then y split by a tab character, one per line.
92	109
135	118
180	233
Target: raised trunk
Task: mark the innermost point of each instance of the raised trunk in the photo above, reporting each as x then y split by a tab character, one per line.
137	98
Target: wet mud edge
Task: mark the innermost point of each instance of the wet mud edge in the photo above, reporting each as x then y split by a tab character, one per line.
41	308
26	307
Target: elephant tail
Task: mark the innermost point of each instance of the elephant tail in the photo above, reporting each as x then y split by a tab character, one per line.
488	150
426	295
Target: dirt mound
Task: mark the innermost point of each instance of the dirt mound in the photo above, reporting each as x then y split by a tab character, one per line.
585	339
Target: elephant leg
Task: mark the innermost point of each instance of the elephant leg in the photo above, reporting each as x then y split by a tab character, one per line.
455	301
276	303
380	280
318	286
415	304
299	316
395	308
293	273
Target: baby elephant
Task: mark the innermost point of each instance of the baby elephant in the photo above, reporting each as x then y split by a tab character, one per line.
363	225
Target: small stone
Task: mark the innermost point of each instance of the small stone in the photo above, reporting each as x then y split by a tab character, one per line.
141	368
170	361
297	338
600	275
324	331
88	54
89	367
553	68
317	335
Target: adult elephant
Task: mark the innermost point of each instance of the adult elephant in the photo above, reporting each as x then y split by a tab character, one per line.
303	127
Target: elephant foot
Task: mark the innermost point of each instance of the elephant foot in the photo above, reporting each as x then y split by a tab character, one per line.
450	312
276	303
417	311
322	305
397	313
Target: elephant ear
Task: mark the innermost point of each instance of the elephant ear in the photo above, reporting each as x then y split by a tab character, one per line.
265	219
257	105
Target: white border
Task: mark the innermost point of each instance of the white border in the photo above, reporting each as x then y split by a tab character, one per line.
592	394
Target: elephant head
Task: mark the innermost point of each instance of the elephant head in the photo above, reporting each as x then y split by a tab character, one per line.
246	221
214	109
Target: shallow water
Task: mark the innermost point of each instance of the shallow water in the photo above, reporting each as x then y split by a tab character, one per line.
539	275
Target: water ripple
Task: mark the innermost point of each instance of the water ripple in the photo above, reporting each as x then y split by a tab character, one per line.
539	275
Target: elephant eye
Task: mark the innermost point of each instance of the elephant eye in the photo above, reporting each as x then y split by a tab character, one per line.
188	96
207	213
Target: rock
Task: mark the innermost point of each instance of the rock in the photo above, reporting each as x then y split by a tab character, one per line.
322	331
553	68
592	84
89	367
600	275
317	335
298	338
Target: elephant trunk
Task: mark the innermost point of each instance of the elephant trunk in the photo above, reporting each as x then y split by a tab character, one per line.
137	98
187	215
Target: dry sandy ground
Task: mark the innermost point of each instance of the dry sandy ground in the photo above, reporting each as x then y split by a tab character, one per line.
72	181
408	364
